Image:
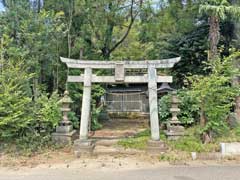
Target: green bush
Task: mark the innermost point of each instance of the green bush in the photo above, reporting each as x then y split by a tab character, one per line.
215	95
192	142
189	109
97	108
20	116
74	119
47	112
95	125
15	101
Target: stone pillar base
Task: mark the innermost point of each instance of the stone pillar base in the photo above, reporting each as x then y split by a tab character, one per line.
64	138
175	132
174	135
156	147
83	147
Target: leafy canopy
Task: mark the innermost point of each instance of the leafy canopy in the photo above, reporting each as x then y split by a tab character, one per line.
219	8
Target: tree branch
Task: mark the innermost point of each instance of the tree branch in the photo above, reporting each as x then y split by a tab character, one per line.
133	17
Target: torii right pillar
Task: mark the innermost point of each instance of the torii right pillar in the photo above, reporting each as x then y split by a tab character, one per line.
155	145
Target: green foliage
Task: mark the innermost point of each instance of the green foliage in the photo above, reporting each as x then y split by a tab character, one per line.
47	112
191	144
214	93
139	141
134	143
164	108
132	48
74	119
95	125
188	106
219	8
19	115
29	145
35	37
15	102
97	108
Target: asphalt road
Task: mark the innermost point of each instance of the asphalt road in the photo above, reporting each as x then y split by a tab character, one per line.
160	173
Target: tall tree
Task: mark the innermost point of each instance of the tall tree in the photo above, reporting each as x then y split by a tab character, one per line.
217	10
99	20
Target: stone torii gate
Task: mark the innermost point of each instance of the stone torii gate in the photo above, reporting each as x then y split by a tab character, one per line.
151	78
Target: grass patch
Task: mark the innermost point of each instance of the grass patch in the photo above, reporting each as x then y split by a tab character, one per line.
134	143
192	144
28	146
139	141
189	143
232	136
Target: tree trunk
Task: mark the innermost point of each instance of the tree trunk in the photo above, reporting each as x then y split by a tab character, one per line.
214	37
202	116
237	108
106	53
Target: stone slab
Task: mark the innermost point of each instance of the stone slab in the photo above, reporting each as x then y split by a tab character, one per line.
64	129
156	147
83	147
107	142
174	135
64	138
207	156
106	150
228	149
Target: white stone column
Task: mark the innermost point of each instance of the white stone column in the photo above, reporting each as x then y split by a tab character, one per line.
86	104
153	104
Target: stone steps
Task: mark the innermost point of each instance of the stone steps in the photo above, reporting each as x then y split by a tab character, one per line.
106	142
114	150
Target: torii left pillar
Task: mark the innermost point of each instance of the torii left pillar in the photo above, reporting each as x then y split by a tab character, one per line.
83	145
86	104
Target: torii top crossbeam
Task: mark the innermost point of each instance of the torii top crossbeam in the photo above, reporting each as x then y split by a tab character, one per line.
119	67
81	64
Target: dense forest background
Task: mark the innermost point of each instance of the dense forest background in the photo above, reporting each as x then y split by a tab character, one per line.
35	33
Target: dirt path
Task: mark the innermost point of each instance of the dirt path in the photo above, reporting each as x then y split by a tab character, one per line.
120	128
65	158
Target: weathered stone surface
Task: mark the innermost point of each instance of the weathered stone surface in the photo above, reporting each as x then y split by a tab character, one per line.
106	150
156	147
153	105
209	156
86	104
64	138
230	148
82	147
106	142
119	72
174	129
127	79
64	129
174	135
164	63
